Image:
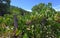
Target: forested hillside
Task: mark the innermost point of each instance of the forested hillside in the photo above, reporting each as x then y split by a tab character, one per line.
16	10
42	22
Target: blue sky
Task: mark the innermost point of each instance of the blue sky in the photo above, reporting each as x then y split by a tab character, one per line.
28	4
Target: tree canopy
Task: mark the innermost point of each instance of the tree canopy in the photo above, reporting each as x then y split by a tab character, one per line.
4	7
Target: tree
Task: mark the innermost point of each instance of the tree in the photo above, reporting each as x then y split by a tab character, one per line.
38	8
45	9
4	7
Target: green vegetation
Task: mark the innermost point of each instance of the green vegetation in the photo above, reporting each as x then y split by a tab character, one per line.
42	22
4	7
19	11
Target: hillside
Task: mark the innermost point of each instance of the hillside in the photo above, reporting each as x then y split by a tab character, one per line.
17	10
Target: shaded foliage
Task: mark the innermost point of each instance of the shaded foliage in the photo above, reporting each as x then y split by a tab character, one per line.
4	7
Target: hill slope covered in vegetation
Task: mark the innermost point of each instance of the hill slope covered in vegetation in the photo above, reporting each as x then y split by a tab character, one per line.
42	22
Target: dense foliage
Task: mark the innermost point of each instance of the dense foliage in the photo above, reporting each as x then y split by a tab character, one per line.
42	22
4	7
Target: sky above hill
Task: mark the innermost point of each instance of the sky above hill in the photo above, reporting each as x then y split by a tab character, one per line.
28	4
